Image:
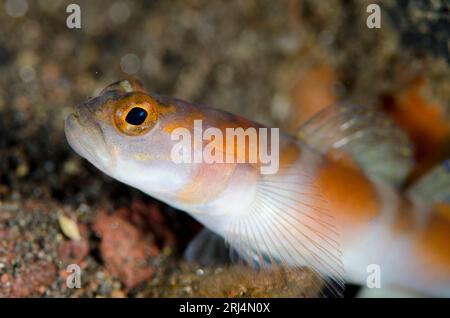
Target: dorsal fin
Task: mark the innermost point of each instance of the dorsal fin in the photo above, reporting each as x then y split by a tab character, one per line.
434	187
369	136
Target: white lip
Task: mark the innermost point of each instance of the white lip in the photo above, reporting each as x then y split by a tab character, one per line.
88	142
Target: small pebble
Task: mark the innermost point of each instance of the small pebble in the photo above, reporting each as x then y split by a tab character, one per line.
22	170
69	228
72	166
200	272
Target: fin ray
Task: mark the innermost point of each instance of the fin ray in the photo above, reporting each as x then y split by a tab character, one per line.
306	237
289	227
288	252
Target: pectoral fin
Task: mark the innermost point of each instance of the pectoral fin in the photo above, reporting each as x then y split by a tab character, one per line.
289	228
207	249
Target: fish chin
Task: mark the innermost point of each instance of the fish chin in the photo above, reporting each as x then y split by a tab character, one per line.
87	141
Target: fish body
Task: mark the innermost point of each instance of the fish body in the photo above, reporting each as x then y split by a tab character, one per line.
319	209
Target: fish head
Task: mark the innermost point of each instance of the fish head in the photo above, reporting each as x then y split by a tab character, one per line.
121	132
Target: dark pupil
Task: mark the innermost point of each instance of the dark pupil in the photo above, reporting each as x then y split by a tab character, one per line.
136	116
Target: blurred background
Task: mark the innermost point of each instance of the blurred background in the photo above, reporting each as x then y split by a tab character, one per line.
276	62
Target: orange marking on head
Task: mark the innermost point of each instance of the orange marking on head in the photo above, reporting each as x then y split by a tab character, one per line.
165	109
185	121
288	153
241	149
245	146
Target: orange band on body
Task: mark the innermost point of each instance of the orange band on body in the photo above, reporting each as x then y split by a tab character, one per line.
433	243
350	194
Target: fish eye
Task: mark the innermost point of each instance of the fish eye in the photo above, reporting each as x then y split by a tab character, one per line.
136	116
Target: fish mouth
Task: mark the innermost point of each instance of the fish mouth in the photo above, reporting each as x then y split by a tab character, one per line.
87	140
